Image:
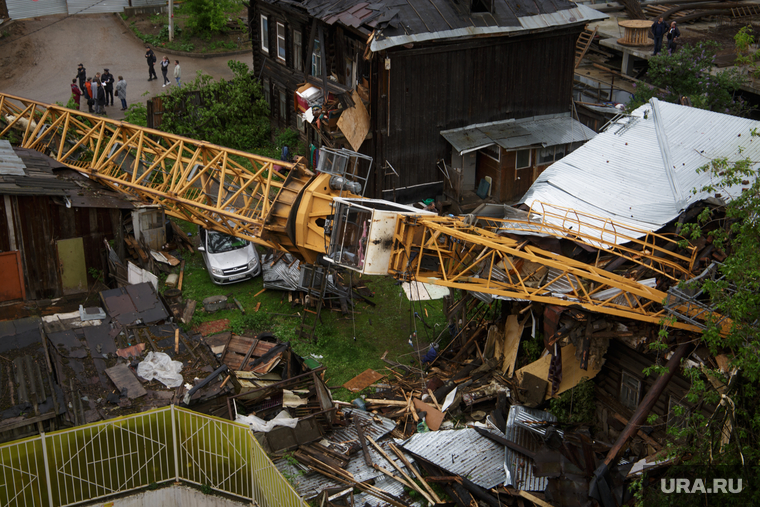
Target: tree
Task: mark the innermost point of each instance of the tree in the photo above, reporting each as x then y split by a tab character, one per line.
208	17
729	439
228	113
689	72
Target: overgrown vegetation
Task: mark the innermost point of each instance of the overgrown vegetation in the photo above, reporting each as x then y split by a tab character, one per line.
576	405
690	72
731	436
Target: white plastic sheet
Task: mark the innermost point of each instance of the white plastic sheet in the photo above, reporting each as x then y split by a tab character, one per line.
256	424
159	366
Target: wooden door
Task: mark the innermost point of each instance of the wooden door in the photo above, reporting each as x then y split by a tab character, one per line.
12	276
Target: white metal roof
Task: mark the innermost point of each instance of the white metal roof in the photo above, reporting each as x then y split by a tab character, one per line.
642	169
548	130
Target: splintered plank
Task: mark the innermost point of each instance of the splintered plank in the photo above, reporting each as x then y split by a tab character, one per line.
123	377
239	347
363	380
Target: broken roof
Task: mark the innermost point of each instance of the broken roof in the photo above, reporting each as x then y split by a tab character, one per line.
399	22
548	130
642	169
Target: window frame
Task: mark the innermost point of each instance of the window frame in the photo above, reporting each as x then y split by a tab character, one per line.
264	39
316	59
626	386
281	48
267	91
298	50
282	99
496	158
530	159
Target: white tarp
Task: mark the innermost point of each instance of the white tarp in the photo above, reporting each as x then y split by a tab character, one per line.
159	366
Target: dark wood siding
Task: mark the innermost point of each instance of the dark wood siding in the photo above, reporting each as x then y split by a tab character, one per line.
41	223
450	86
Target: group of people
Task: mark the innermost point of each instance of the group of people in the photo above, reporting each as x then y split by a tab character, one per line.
660	30
98	91
150	57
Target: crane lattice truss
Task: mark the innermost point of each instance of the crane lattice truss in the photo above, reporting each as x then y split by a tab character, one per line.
260	199
219	188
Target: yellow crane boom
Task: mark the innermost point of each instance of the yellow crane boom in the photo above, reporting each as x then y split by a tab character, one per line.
322	215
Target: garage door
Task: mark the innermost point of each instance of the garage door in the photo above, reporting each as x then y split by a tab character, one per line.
93	7
23	9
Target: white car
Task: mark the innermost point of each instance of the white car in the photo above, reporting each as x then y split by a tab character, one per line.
228	259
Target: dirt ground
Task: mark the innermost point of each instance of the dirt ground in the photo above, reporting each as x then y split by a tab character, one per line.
722	34
39	58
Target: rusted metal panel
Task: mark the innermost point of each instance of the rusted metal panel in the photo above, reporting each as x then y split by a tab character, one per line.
12	276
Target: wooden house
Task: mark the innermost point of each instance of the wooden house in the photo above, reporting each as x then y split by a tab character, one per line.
387	78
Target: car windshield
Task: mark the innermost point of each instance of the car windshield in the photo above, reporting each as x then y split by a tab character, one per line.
219	242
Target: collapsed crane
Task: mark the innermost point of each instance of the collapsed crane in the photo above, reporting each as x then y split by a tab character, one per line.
322	216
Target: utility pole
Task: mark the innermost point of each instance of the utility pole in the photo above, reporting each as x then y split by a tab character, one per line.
171	20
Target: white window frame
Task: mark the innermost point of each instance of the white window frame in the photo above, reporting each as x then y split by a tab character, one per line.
282	50
626	382
297	50
530	159
316	59
264	34
485	151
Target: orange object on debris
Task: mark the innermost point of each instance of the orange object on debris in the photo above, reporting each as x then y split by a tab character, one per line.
365	379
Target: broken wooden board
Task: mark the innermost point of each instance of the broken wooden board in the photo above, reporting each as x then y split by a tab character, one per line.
571	370
238	348
512	332
354	123
363	380
133	351
123	377
433	418
187	313
218	342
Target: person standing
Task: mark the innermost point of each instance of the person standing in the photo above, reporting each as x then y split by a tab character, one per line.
121	92
88	93
76	93
150	57
100	99
95	86
673	34
659	29
177	73
108	85
164	70
81	75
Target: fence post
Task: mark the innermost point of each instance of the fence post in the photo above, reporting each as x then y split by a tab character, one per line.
175	443
47	472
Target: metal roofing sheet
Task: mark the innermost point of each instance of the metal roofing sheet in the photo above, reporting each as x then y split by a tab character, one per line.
462	452
10	163
549	130
521	473
622	173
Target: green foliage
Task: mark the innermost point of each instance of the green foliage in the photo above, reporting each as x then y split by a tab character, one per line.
229	113
153	40
576	405
206	489
209	16
137	114
533	347
689	72
181	46
164	33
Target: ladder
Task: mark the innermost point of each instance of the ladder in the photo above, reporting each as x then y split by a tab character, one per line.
582	44
317	287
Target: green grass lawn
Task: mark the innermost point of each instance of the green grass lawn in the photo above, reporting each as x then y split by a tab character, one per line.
387	326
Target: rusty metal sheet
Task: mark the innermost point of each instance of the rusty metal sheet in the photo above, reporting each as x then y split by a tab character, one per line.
363	380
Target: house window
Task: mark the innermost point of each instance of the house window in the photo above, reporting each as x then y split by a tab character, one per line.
316	59
492	151
267	92
630	389
264	34
283	106
546	155
522	160
676	413
559	152
301	123
281	42
297	51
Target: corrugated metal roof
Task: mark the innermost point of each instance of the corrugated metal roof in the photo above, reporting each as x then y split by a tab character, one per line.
622	174
378	427
521	473
462	452
549	130
10	163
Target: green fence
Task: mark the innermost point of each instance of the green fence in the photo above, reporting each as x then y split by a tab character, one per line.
89	462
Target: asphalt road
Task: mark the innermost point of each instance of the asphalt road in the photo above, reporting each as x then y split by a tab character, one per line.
41	64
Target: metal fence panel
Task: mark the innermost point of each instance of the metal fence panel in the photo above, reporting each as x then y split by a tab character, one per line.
115	456
22	474
24	9
95	7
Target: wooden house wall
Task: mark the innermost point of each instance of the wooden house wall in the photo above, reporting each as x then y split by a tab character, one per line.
5	242
450	86
40	222
620	357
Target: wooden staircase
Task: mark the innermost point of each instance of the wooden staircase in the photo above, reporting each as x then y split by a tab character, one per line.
583	43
